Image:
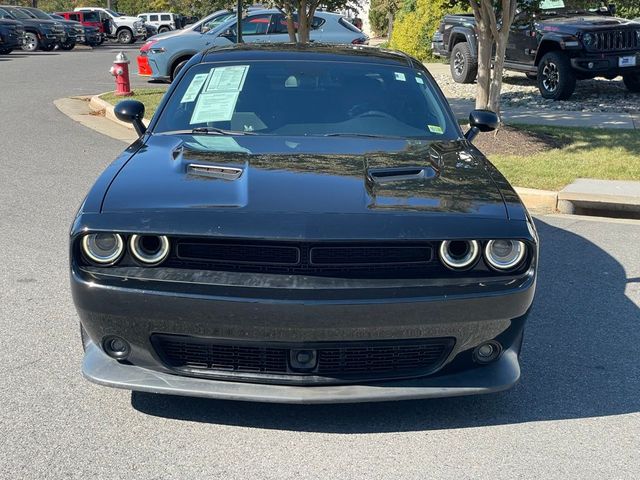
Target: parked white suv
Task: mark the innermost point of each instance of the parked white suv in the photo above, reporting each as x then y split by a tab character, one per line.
164	21
123	28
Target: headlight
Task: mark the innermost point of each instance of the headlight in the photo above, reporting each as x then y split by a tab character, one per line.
589	39
149	249
459	254
103	248
504	254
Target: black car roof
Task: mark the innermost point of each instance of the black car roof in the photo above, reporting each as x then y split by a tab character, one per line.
317	52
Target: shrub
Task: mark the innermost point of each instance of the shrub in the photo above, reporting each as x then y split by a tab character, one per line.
416	23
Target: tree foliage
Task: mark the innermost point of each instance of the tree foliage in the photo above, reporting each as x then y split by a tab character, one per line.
381	15
416	23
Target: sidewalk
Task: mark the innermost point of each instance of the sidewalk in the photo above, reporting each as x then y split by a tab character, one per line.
559	118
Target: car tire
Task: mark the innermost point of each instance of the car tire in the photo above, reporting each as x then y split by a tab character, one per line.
125	36
178	67
5	51
31	42
532	76
632	82
67	46
163	29
48	48
556	79
464	68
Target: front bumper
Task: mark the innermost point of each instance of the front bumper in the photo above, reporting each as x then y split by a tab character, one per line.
103	370
220	306
606	64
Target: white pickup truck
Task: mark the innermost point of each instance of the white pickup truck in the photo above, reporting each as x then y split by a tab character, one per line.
123	28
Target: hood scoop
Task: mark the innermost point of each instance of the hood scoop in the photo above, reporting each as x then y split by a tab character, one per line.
400	174
214	171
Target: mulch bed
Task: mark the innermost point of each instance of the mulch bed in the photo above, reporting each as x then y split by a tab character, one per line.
514	141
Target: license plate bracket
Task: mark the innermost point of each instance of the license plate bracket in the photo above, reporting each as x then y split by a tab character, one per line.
629	61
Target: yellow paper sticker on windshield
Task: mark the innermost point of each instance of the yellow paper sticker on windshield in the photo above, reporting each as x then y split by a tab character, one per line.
194	87
435	129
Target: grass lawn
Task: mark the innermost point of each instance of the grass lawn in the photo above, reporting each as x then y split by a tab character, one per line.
149	96
532	156
612	154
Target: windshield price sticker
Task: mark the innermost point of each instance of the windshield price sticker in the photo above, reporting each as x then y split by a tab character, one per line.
194	87
228	78
400	76
214	107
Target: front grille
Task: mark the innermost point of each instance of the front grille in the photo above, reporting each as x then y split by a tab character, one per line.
615	40
336	362
350	260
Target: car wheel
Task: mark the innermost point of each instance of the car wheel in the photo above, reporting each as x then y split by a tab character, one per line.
31	42
125	36
632	82
163	29
5	51
178	67
464	67
556	80
67	46
532	76
48	48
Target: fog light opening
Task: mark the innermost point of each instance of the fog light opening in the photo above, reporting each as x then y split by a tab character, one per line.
487	352
116	347
303	360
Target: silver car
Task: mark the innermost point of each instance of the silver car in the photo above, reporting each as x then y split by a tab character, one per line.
161	58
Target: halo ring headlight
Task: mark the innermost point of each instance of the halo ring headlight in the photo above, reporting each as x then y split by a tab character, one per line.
149	249
103	248
459	254
504	254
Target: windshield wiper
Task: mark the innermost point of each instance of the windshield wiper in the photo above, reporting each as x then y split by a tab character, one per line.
366	135
218	131
206	131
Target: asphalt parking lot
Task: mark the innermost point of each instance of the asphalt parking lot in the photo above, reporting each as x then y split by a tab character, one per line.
575	413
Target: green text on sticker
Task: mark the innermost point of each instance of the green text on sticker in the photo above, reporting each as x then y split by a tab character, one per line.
435	129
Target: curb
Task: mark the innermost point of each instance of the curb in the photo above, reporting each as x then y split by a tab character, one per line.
97	104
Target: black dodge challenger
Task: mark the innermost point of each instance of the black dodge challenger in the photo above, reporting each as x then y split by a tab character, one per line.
306	225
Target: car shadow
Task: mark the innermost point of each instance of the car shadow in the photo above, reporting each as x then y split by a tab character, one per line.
579	360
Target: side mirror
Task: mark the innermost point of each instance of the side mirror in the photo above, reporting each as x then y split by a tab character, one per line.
481	121
131	111
613	9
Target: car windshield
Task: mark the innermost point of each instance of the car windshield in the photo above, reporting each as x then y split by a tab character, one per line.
112	13
38	13
214	22
307	98
16	13
548	6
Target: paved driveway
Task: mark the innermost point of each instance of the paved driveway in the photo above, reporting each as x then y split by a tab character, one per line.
574	414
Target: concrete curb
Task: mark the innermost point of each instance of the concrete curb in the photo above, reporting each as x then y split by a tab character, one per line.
97	104
538	201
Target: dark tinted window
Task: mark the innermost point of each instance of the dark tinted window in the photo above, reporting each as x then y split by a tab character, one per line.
165	18
16	13
91	16
347	24
280	24
76	17
308	98
256	25
153	18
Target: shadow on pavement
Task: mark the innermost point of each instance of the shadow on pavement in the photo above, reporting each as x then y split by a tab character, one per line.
579	360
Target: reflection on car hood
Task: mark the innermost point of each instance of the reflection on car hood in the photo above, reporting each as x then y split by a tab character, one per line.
305	175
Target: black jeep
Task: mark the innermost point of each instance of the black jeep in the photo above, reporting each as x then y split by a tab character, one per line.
553	42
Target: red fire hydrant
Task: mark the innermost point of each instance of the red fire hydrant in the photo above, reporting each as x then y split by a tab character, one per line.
120	70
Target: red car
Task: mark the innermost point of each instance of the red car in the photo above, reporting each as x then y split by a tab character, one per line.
89	19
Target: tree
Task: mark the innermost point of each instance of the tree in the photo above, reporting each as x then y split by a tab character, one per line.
382	14
300	28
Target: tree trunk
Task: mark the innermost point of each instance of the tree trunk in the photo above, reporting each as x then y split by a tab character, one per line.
389	25
291	27
485	45
498	68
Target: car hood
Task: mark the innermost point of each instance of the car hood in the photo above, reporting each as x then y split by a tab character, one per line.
171	33
305	175
585	23
126	18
